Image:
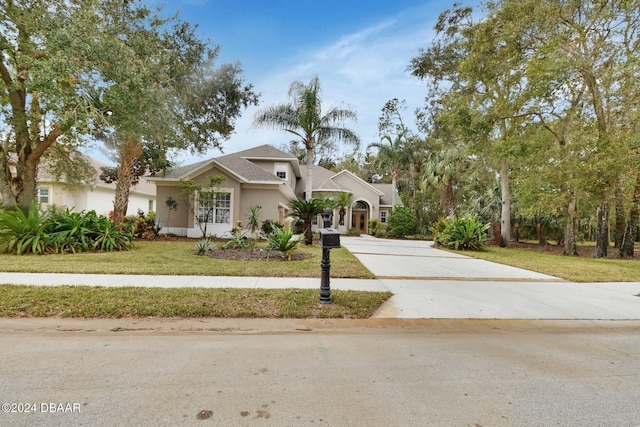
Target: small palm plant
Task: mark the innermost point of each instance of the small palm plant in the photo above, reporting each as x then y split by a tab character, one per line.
284	241
306	210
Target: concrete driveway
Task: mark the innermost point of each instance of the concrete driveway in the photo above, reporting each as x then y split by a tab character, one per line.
431	283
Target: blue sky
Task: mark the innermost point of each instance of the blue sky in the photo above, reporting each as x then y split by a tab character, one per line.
359	50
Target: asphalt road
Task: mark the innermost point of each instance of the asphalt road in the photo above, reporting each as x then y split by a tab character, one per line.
320	373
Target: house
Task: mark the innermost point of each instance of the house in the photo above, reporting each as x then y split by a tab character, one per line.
263	176
97	195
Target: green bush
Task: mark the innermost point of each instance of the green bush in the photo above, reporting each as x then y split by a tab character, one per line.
381	233
283	241
374	226
466	233
353	232
238	241
269	226
203	247
401	221
60	232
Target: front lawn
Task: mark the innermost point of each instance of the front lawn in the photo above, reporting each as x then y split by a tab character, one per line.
177	258
572	268
99	302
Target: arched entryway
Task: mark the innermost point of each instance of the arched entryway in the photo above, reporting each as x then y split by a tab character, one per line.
360	216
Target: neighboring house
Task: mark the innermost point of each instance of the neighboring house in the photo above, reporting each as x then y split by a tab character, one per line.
266	177
97	195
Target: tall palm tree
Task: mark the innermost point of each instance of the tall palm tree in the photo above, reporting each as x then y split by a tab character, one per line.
306	210
446	168
342	202
393	154
303	118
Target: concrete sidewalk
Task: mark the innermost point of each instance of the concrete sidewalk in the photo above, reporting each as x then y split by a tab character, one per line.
427	283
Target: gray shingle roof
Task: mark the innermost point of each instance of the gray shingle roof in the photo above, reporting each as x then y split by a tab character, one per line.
387	189
245	169
265	152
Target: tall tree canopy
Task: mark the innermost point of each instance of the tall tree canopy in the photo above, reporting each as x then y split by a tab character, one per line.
112	70
303	117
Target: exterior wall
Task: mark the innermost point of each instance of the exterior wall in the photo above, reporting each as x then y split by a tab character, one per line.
270	199
273	166
361	192
176	222
99	199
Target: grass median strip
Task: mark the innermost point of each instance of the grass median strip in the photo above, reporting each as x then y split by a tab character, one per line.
101	302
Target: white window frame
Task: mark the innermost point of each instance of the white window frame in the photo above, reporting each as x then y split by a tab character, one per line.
220	214
281	168
383	216
48	195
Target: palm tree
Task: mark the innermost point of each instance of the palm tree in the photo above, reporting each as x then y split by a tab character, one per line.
303	118
343	202
445	168
306	210
392	155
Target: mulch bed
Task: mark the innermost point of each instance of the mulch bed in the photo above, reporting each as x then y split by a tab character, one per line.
256	255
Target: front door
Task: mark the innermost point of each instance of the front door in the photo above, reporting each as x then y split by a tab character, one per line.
360	220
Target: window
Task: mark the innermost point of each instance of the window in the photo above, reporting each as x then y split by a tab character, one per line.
43	195
281	170
383	217
150	205
215	208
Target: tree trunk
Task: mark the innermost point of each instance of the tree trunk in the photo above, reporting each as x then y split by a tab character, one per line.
571	212
7	198
602	232
308	191
27	175
542	239
629	237
620	217
129	155
449	205
505	216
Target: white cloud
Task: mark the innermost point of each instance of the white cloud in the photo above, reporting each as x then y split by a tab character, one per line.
362	70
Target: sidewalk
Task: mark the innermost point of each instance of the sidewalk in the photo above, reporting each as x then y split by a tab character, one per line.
427	283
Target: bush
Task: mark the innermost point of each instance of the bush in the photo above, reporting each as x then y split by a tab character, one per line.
203	247
374	226
283	241
381	233
466	233
401	221
238	241
269	226
60	232
353	232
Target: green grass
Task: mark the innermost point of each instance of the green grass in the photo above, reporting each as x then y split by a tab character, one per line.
177	258
126	302
575	269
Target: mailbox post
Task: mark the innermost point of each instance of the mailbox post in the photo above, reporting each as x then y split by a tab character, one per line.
329	239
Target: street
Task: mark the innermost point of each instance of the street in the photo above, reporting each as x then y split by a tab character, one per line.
312	372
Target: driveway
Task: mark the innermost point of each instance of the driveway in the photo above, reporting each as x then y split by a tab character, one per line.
431	283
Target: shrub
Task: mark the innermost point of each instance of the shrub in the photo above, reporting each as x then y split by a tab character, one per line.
381	233
466	233
60	232
353	232
238	241
374	226
22	233
203	247
269	226
401	221
283	241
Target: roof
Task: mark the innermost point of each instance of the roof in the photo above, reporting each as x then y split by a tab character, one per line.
236	164
385	199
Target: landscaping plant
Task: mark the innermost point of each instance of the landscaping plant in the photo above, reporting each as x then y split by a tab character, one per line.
401	221
283	241
466	233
